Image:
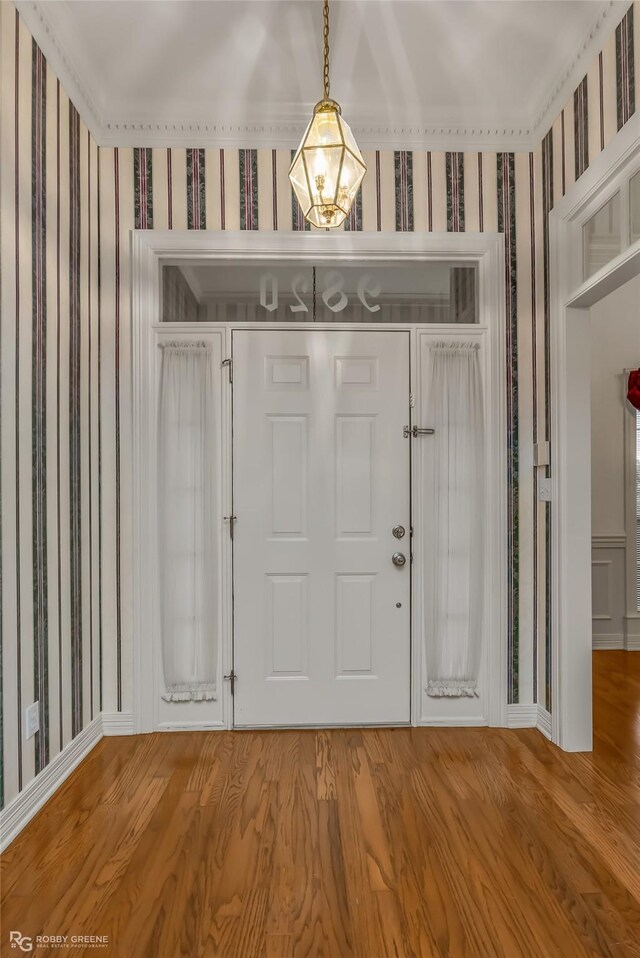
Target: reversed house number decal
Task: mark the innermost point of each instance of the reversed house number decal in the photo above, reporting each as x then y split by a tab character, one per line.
333	295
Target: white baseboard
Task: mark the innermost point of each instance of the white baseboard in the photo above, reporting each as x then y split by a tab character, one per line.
462	721
191	727
522	716
613	641
117	723
24	806
544	722
632	632
529	716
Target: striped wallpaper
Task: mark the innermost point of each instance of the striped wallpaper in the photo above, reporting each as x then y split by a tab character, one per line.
66	401
50	397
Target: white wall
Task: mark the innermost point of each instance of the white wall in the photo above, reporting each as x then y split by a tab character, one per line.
615	328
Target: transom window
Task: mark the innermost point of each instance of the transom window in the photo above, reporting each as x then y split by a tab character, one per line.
612	228
335	293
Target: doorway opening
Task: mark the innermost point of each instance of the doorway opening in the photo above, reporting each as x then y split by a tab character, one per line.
615	470
594	252
615	517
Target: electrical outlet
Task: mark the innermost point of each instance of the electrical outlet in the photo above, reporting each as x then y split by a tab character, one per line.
544	489
32	720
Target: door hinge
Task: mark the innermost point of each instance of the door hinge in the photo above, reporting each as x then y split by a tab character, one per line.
412	401
229	363
231	677
232	521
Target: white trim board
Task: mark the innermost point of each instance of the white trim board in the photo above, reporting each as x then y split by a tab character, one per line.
453	721
522	716
632	632
615	641
117	723
570	327
609	541
485	134
545	723
632	558
40	789
24	806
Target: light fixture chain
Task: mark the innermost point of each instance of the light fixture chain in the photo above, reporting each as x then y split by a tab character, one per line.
326	49
327	169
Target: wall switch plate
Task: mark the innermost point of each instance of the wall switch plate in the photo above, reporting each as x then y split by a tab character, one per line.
32	720
544	489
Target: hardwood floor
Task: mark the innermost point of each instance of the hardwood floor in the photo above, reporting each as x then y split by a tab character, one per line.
367	843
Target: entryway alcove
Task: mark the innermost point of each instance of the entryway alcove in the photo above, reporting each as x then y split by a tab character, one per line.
323	554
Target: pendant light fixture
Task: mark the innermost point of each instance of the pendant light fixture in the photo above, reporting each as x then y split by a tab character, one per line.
328	168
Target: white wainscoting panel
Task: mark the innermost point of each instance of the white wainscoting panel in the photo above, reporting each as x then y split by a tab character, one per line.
608	571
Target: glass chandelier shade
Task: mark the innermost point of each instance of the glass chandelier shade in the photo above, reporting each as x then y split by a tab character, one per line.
327	169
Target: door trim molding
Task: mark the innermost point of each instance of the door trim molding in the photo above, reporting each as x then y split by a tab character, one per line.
570	347
151	248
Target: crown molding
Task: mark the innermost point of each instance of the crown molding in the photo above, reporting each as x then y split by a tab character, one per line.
287	136
36	19
485	135
609	15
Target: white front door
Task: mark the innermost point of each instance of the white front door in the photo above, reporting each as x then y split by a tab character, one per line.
320	479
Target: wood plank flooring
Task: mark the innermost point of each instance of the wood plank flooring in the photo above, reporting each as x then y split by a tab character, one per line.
344	843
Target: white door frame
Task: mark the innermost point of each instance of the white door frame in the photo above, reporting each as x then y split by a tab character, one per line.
150	249
570	332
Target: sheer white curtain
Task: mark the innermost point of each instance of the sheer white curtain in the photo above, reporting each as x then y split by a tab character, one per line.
186	523
454	459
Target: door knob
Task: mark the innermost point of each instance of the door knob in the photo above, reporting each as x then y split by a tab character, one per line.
398	532
398	559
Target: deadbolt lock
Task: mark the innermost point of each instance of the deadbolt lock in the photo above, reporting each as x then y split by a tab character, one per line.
398	531
398	559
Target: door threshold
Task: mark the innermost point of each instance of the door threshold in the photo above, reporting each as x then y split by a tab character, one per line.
284	728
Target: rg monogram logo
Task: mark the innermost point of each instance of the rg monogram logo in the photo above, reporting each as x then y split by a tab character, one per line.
20	941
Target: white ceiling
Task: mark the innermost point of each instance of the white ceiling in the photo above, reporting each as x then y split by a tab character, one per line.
250	70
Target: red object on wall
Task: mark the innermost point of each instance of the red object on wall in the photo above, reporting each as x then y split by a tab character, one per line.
633	389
